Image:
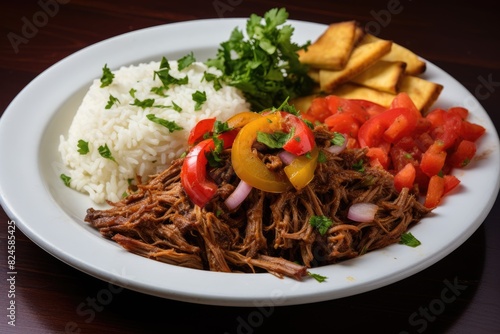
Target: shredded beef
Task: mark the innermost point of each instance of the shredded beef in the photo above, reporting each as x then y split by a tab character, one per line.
267	232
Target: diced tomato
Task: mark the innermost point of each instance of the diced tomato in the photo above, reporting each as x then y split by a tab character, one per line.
343	123
464	153
370	107
436	117
460	111
401	140
405	178
399	121
450	183
471	131
318	110
424	141
421	179
338	105
400	156
433	159
423	126
302	140
378	157
399	128
449	131
403	100
435	192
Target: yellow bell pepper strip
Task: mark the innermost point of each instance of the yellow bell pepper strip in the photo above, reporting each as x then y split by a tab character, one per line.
247	165
301	170
241	119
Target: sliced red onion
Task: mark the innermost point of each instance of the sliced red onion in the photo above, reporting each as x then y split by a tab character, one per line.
238	195
286	157
362	212
336	149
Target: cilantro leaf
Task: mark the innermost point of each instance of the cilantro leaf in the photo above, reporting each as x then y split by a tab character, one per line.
338	139
409	240
170	125
273	140
359	166
264	63
317	277
105	152
111	101
66	179
209	77
176	107
185	61
321	223
158	91
107	76
83	147
147	103
220	127
213	157
199	98
164	75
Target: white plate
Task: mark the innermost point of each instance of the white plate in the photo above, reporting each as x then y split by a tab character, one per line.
51	214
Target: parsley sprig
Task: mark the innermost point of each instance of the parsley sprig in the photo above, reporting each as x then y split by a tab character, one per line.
166	78
264	64
170	125
107	76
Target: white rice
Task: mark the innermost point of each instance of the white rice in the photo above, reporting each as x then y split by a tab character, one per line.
139	146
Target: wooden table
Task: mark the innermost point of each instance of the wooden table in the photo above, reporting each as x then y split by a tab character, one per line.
52	297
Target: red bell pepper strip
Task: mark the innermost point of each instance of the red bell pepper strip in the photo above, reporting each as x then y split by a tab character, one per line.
194	179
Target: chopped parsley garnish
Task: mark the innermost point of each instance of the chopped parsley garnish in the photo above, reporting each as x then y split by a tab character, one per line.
220	127
317	277
159	91
147	103
176	107
321	157
338	139
107	76
83	147
66	179
209	77
359	166
105	152
164	75
264	64
276	139
170	125
185	61
132	92
199	98
321	223
111	101
409	240
213	156
287	107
